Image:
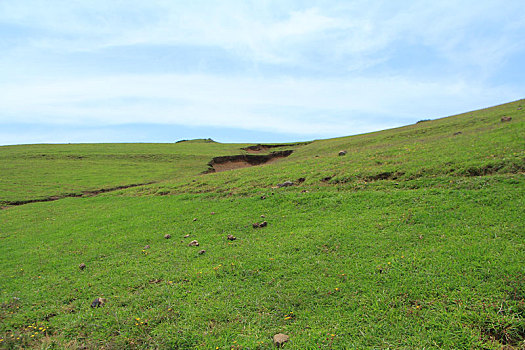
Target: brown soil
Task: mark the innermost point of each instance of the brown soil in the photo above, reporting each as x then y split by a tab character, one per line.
224	163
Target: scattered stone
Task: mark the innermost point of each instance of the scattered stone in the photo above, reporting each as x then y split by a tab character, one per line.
285	184
98	302
342	153
520	108
146	246
202	252
505	119
458	133
304	191
82	266
231	237
280	339
301	180
193	243
194	219
186	236
259	224
167	236
262	216
326	179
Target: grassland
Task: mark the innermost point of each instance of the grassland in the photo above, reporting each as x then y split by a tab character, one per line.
415	239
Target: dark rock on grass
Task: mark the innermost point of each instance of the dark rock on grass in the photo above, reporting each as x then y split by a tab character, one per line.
194	219
326	179
342	153
98	302
202	252
193	244
167	236
82	266
231	237
301	180
506	119
259	224
280	339
285	184
458	133
262	216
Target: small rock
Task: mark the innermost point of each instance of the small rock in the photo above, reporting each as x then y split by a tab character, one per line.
285	184
506	119
146	246
301	179
202	252
520	108
262	216
280	339
304	191
342	153
186	236
167	236
82	266
98	302
194	219
231	237
458	133
259	224
193	243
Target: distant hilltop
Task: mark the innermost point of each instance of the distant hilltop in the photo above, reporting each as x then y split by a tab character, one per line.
198	141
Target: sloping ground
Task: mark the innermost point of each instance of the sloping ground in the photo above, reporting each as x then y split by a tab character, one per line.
469	144
414	239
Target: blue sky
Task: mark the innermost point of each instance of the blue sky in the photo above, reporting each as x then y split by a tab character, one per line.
249	71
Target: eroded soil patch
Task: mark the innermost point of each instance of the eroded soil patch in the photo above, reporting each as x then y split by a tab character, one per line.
225	163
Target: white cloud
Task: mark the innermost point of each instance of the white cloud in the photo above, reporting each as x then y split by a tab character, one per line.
342	39
300	106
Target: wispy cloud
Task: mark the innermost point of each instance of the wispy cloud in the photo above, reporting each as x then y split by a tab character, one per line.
291	67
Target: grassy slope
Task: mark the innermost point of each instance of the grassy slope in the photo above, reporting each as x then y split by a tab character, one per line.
40	171
433	258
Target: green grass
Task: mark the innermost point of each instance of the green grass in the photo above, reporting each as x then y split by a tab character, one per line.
429	257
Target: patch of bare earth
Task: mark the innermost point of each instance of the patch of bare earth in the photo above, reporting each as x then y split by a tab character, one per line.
225	163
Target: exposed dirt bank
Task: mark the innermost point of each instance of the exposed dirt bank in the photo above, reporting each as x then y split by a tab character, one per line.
224	163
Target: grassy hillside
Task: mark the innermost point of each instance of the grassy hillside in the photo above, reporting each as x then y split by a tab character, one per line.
414	239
